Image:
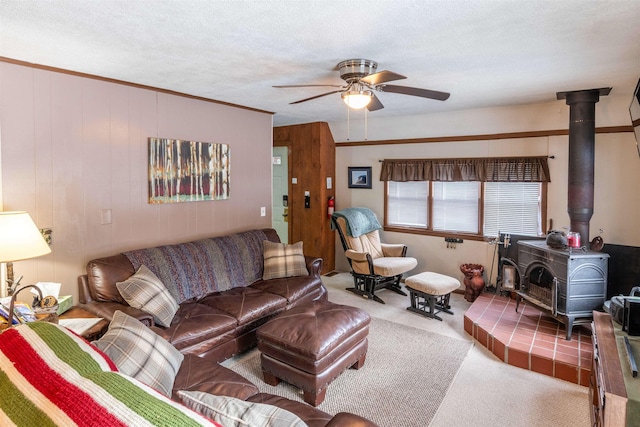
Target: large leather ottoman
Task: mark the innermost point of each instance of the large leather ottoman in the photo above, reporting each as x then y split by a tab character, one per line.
310	345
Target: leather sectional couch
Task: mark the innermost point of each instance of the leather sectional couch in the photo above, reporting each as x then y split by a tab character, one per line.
216	322
217	316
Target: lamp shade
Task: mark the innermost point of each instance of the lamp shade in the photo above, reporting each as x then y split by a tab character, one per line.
357	99
20	238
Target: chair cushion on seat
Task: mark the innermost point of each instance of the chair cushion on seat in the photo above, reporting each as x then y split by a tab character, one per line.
291	288
432	283
392	266
245	304
195	324
199	374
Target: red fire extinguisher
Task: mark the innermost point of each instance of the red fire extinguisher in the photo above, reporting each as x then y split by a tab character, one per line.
331	205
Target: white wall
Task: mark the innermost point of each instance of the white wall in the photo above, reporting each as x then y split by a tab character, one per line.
617	170
73	146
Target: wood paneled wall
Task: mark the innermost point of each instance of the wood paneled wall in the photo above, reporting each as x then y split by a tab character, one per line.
311	162
73	146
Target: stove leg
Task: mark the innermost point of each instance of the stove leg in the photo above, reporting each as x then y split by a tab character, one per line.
569	328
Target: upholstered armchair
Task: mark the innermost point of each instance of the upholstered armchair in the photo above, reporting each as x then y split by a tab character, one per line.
374	265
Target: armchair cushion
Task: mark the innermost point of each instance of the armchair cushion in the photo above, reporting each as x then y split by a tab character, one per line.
145	291
232	412
139	352
393	266
282	260
393	249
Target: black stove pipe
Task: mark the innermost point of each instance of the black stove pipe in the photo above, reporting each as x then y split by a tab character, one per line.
582	112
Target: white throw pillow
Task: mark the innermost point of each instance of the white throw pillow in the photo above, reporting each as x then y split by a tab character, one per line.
139	352
145	291
232	412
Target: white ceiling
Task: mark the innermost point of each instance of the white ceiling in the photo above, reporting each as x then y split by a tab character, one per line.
484	52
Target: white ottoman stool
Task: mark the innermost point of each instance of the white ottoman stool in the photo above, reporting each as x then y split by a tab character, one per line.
430	292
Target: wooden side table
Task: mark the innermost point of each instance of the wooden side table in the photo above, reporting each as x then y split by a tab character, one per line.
93	333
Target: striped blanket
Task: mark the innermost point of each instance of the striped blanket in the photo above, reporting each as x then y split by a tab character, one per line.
195	269
51	377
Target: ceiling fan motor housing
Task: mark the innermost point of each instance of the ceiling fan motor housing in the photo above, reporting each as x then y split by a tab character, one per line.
354	69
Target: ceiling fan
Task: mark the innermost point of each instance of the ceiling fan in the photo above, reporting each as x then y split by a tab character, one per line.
362	81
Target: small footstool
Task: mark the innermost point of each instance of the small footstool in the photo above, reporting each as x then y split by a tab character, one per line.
430	291
310	345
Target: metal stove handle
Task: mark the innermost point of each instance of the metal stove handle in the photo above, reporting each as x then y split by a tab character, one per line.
554	296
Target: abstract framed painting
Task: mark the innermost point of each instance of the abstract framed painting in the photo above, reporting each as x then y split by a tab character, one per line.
188	171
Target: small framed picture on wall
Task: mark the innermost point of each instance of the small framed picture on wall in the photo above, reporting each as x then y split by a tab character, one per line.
359	177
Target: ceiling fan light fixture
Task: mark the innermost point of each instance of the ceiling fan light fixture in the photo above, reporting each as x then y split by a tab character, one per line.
357	99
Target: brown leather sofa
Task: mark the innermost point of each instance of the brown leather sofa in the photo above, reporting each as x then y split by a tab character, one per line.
217	325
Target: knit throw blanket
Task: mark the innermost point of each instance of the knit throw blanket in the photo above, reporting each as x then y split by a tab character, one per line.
195	269
51	377
359	221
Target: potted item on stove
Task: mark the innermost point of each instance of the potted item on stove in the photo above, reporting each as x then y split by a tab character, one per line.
557	239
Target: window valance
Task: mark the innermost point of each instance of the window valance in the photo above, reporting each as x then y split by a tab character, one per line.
496	169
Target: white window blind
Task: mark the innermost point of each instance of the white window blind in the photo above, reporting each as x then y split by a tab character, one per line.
512	207
455	206
407	203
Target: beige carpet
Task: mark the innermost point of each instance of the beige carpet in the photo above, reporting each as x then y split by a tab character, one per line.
397	357
486	392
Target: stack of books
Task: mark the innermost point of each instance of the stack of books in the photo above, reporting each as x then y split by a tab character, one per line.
23	313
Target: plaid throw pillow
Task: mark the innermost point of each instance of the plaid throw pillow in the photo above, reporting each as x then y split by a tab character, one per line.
139	352
282	260
145	291
232	412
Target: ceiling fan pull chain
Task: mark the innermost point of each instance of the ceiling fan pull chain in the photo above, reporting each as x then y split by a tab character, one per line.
348	123
366	123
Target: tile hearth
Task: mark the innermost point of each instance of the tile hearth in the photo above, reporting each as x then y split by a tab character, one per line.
529	338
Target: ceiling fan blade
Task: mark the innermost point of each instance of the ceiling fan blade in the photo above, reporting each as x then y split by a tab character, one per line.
285	86
314	97
423	93
375	104
382	77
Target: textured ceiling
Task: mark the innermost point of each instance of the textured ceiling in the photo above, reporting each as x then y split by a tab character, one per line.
485	53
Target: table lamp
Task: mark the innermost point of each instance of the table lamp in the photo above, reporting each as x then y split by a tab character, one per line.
19	239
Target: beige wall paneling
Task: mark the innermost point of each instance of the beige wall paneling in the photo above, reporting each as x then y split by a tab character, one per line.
72	146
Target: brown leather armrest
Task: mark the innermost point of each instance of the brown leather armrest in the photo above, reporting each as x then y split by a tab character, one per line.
346	419
106	310
83	287
314	265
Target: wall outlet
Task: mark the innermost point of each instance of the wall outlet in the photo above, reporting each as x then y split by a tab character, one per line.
105	216
263	211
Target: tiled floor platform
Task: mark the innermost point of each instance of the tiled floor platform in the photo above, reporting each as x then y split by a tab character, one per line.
529	338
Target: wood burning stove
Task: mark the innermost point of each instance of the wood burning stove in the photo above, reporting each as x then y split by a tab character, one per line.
568	284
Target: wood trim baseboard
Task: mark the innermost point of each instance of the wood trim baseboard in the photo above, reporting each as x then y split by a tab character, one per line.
485	137
125	83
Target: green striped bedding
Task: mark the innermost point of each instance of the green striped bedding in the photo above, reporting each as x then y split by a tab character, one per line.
51	377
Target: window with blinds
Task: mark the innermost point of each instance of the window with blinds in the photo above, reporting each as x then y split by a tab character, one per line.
407	203
512	207
455	207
